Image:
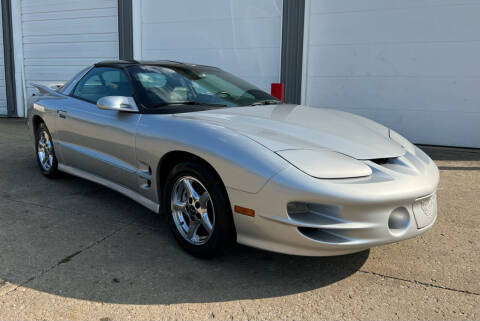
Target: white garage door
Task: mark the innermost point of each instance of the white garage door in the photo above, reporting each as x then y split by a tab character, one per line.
60	37
3	97
411	65
242	37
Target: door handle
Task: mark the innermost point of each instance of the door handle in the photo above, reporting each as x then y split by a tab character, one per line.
62	114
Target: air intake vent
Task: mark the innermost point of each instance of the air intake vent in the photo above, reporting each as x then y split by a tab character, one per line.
382	161
324	223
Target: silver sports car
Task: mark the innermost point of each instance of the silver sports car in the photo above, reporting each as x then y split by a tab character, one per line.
227	162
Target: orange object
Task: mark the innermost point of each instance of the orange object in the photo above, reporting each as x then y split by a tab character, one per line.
244	211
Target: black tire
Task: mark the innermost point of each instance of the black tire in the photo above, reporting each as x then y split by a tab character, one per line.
50	169
223	235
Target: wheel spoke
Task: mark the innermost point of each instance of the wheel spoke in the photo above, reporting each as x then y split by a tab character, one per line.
192	229
204	200
189	189
205	221
45	160
179	206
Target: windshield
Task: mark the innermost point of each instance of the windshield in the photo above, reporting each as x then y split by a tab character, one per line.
158	86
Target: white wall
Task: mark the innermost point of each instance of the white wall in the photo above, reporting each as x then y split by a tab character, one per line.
409	64
60	37
242	37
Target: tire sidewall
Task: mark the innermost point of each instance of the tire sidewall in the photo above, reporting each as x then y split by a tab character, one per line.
222	233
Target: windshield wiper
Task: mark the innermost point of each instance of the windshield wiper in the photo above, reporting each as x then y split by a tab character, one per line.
173	103
213	105
266	102
196	103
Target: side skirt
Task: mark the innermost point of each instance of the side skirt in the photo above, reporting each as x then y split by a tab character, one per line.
116	187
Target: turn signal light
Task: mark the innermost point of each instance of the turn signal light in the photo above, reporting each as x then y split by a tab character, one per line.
244	211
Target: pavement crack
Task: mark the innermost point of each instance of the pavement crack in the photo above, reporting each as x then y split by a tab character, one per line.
68	258
418	282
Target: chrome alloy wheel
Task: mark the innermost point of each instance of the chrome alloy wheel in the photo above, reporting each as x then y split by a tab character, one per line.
45	151
192	210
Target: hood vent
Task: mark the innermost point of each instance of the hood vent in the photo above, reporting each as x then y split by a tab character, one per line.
382	161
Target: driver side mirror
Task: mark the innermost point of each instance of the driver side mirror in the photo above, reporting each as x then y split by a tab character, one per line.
118	103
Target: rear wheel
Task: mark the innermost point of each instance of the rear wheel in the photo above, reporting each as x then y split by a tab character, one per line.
46	159
198	210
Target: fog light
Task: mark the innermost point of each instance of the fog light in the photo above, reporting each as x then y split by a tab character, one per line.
398	221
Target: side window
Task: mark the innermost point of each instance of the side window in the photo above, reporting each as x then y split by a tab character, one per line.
102	81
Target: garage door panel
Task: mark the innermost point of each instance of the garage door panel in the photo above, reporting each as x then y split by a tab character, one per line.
208	9
401	94
409	65
215	34
335	6
436	23
62	37
419	59
45	6
242	37
97	37
70	14
84	49
72	26
63	61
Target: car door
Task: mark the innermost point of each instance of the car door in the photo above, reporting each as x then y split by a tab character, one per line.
96	141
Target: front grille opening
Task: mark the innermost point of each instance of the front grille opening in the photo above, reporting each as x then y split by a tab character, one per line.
399	165
299	209
314	214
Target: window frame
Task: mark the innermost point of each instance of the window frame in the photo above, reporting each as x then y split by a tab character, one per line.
127	75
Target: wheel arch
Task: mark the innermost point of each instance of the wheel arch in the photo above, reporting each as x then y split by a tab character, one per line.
172	158
36	121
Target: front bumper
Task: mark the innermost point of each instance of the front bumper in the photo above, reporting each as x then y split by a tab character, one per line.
301	215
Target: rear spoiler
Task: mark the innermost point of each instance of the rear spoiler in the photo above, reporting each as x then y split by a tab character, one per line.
45	90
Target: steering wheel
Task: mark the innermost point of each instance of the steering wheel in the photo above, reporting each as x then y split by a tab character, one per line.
222	94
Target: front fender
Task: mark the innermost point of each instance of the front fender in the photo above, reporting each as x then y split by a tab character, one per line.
242	163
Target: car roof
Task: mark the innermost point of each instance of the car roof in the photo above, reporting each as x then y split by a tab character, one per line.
163	63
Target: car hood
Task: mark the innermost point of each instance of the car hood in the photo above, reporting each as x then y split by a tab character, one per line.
286	127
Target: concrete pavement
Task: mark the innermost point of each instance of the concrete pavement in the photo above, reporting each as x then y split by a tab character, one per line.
71	249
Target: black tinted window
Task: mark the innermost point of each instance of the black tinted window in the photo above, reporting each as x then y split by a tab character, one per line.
158	86
101	82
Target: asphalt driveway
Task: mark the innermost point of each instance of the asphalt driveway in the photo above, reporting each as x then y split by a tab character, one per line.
71	249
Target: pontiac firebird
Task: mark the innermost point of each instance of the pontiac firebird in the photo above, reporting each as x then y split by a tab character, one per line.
227	162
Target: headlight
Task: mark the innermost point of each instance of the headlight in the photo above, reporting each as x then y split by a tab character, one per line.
409	147
325	163
396	137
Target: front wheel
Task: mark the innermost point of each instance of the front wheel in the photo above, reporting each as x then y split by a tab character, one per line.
46	158
198	210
